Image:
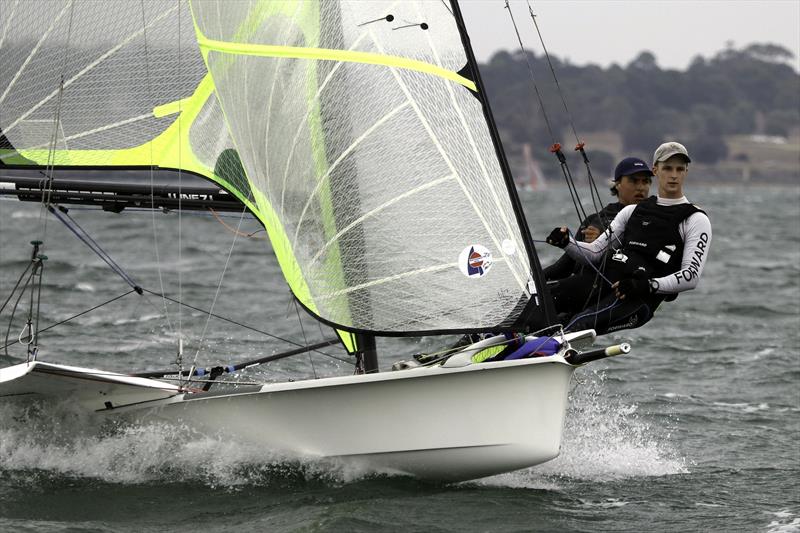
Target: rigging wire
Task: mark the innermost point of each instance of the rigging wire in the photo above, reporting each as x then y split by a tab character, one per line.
594	193
305	340
219	287
306	347
62	215
33	317
51	153
180	201
148	81
555	148
231	321
51	326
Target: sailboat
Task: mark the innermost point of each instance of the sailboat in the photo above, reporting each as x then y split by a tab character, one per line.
359	134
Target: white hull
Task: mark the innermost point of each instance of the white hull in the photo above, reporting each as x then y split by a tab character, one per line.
433	423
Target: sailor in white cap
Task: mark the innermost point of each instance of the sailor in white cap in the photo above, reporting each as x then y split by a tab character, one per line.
657	249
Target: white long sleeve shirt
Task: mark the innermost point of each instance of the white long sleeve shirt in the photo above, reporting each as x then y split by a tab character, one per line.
695	231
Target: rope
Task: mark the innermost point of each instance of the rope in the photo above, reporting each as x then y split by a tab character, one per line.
13	290
231	321
595	313
555	147
594	193
236	230
13	312
245	364
585	258
303	331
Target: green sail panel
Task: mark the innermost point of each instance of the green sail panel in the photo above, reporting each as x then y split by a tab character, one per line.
374	158
136	93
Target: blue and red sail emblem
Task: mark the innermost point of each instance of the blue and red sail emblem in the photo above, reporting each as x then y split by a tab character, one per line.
475	261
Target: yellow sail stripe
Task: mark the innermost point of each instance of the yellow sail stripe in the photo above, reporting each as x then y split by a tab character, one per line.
351	56
275	230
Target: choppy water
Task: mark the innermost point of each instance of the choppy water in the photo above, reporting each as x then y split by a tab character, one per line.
698	429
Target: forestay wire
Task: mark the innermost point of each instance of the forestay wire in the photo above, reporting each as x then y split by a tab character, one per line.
216	293
148	83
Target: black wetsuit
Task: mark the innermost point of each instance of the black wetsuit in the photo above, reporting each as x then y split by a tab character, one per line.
651	247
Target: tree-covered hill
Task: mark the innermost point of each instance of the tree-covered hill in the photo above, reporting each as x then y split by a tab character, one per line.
722	108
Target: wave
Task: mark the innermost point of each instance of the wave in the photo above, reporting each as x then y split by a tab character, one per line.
43	440
605	440
785	522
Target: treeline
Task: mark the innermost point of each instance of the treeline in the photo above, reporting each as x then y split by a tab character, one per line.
752	90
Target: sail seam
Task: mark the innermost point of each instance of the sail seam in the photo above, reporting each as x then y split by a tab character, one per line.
378	209
326	54
305	121
500	210
444	155
339	159
86	69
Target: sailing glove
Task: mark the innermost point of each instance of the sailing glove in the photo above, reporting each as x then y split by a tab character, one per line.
558	237
633	288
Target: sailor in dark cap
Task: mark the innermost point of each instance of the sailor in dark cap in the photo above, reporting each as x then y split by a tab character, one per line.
632	178
657	248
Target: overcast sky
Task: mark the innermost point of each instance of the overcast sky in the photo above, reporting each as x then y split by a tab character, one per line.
603	32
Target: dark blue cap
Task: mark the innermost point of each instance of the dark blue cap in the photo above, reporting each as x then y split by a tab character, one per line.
630	166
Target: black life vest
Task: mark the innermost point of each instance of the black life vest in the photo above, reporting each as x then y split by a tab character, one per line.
600	220
652	246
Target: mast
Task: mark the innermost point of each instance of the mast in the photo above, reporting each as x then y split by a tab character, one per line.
538	278
367	354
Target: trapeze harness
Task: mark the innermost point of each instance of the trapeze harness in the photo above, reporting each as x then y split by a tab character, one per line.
651	248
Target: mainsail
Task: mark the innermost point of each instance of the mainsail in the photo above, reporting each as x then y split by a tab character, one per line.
355	131
379	136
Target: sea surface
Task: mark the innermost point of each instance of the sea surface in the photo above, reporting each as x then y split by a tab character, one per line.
697	429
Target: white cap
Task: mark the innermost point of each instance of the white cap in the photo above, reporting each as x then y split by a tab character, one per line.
668	149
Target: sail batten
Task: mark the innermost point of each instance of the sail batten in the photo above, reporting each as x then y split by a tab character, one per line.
342	56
